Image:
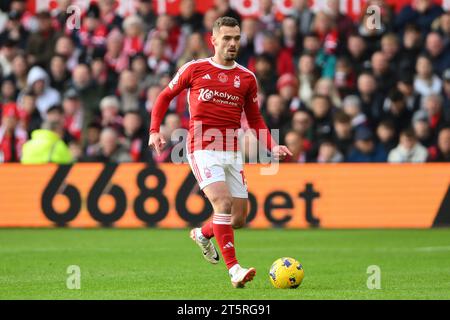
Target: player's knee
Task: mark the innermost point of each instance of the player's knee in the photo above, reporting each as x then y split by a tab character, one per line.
222	204
237	222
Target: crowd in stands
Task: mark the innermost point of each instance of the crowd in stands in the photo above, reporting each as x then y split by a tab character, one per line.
338	90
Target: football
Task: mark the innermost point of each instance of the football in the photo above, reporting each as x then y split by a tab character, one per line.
286	273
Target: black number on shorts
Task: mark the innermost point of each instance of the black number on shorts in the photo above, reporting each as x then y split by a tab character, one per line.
55	186
98	189
151	219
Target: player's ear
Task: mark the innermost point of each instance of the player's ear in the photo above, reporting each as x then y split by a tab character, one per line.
213	40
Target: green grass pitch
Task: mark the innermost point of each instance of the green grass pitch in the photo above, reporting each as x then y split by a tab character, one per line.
166	264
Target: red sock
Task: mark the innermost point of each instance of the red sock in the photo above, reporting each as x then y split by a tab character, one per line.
225	237
207	230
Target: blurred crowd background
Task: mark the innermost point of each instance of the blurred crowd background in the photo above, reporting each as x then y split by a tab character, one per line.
338	89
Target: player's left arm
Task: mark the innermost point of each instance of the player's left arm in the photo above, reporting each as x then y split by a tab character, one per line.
256	122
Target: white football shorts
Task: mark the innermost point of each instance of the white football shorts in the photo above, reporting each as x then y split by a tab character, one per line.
211	166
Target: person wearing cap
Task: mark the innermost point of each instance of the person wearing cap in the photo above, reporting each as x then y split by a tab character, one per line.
12	136
409	149
47	146
365	148
41	44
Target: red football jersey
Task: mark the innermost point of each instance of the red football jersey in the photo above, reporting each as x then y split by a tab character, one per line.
217	95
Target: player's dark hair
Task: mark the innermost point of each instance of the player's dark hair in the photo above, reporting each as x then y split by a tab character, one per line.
225	22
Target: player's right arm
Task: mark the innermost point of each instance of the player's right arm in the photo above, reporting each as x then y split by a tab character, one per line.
180	82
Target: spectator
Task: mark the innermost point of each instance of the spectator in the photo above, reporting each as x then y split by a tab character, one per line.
422	12
395	109
110	117
411	48
329	153
365	148
109	148
307	74
30	117
135	136
134	40
195	49
344	77
128	91
39	83
304	15
325	87
352	108
41	44
432	104
46	146
73	114
302	122
275	114
357	53
422	129
224	9
438	53
115	58
108	14
283	59
65	47
409	149
264	74
293	141
14	30
7	53
426	82
189	19
382	72
405	85
322	111
12	136
90	93
59	75
386	135
92	34
144	10
371	99
446	89
342	132
441	153
287	86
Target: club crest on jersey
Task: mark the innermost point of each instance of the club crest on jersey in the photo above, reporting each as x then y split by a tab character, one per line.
222	77
237	82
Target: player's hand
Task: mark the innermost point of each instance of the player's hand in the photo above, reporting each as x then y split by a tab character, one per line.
157	142
280	152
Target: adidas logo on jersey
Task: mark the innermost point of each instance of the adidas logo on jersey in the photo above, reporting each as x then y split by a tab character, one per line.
207	77
228	245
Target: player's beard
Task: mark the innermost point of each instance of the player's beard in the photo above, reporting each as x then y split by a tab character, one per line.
230	56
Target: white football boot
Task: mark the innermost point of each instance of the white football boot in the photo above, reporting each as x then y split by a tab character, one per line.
209	251
240	276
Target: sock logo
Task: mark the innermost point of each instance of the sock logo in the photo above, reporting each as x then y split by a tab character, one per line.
228	245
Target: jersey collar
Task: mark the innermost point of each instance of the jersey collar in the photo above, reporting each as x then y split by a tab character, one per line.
221	66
